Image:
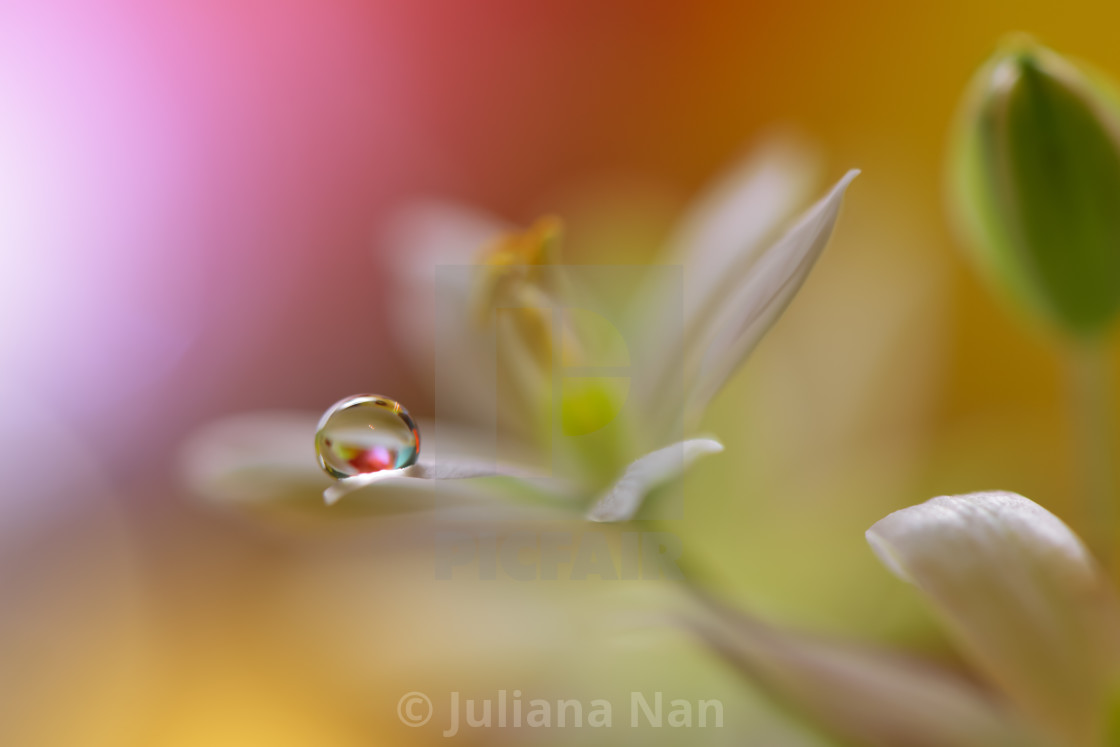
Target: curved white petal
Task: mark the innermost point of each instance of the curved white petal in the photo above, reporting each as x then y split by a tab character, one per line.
727	226
1023	597
762	294
865	696
428	247
716	243
262	456
416	239
447	467
268	458
395	493
420	236
644	474
254	458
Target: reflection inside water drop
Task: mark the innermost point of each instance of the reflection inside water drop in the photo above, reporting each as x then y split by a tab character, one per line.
366	433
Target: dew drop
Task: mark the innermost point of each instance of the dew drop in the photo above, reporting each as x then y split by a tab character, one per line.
366	433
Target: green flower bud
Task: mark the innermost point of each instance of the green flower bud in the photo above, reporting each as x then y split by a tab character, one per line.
1035	179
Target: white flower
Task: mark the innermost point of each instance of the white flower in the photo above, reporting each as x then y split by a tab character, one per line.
1016	589
741	270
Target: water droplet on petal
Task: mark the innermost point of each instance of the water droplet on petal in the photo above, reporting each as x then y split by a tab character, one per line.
366	433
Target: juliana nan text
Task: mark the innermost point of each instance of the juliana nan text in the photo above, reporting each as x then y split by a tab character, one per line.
508	709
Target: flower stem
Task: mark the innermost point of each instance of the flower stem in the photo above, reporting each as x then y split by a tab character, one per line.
1092	403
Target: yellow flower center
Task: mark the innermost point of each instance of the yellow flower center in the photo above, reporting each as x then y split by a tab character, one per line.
517	286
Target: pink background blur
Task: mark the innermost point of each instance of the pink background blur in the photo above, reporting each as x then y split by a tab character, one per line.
191	190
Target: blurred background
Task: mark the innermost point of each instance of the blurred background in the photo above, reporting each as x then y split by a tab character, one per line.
191	196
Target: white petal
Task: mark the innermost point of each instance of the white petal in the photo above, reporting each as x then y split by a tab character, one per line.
644	474
716	243
253	458
863	695
1021	594
446	467
393	493
414	241
266	458
417	238
763	294
428	247
727	226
